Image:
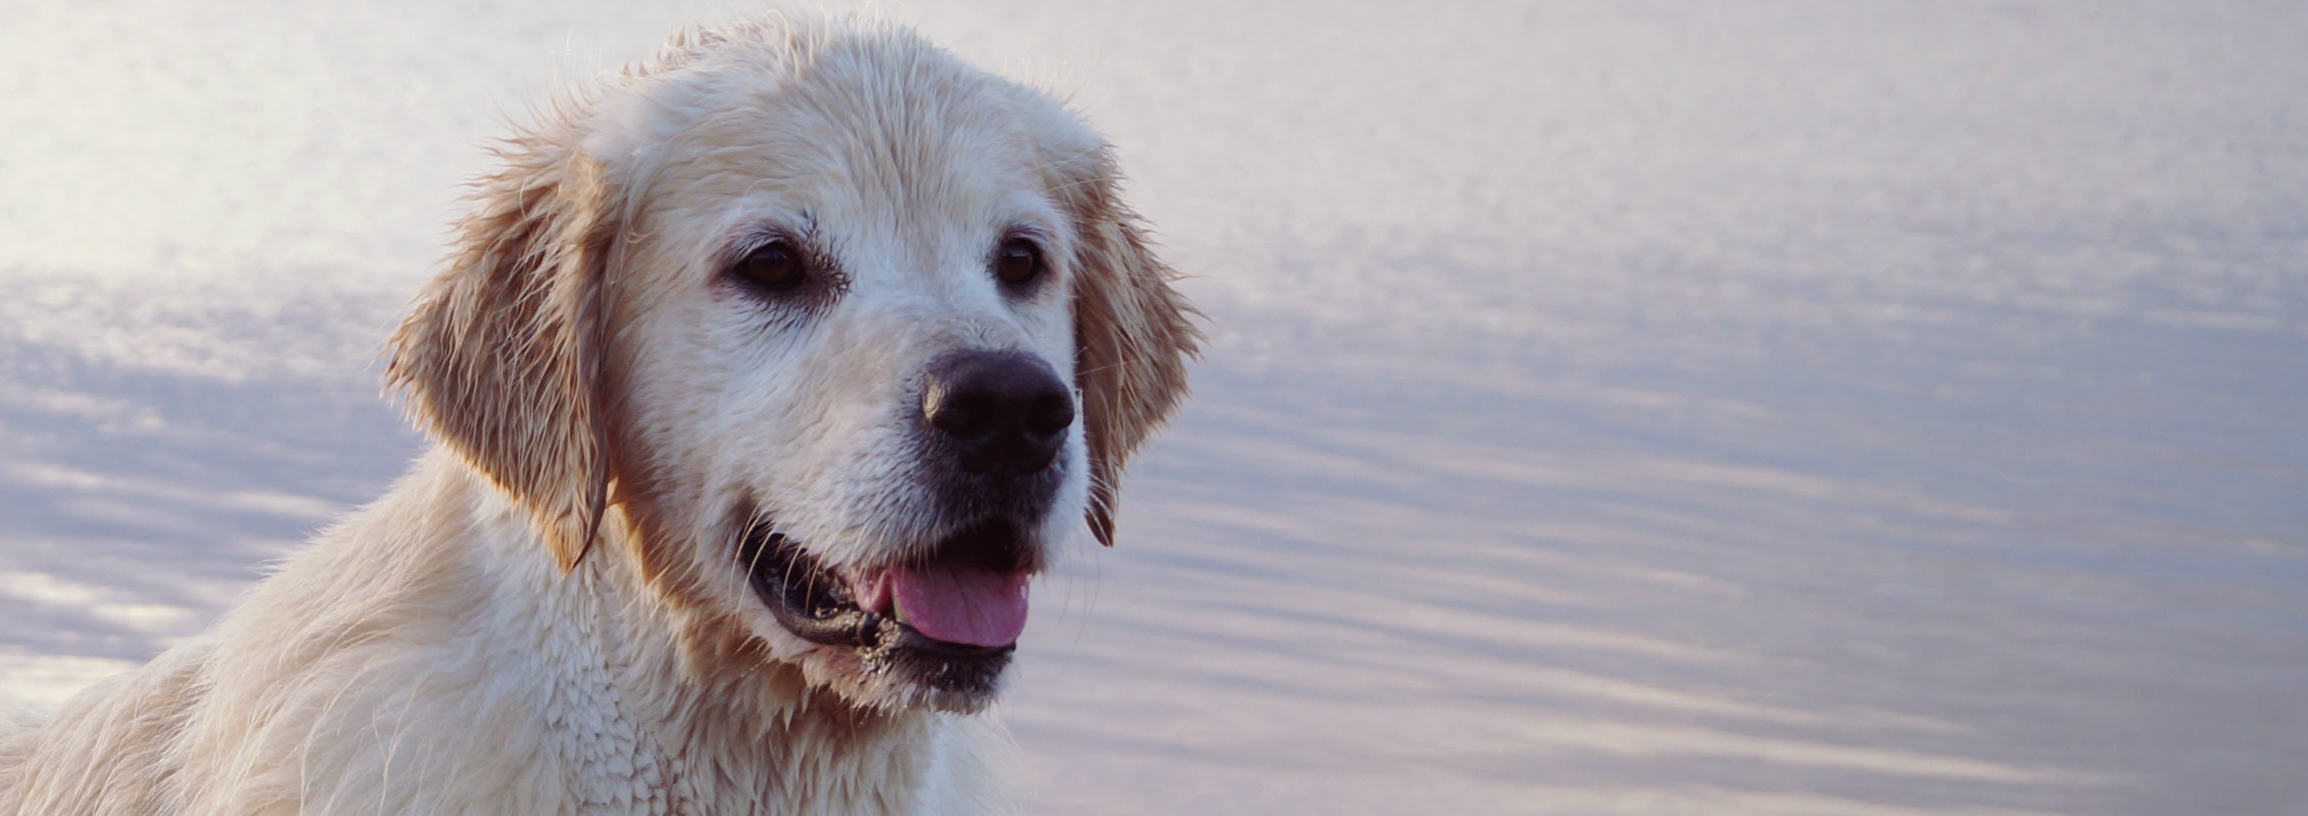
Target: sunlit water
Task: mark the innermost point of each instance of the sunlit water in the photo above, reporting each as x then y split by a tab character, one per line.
1649	408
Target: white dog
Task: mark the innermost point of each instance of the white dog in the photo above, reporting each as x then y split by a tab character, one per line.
764	376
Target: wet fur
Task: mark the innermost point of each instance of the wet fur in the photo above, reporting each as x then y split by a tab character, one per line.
537	617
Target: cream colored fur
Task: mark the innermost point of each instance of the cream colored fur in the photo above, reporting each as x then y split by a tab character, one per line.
542	616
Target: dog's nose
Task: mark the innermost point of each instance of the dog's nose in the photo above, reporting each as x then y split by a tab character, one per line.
1003	411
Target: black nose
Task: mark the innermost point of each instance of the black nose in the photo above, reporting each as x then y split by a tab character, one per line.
1002	411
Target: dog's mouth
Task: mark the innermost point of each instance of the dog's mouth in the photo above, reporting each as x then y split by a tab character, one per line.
948	618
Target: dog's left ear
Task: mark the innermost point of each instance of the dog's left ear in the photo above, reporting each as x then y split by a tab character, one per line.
501	356
1133	333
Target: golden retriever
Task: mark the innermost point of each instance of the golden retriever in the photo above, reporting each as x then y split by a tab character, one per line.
763	377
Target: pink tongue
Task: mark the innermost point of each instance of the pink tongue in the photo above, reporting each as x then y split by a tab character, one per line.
958	604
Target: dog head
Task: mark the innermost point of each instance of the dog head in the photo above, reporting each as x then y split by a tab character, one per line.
844	334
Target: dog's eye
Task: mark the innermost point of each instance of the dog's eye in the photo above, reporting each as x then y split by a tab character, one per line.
775	266
1018	262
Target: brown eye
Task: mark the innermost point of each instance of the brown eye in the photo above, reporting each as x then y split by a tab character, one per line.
773	266
1018	262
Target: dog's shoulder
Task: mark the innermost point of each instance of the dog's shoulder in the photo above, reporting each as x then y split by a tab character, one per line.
395	664
113	748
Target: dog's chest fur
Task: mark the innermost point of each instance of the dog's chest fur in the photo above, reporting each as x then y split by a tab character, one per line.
607	721
518	689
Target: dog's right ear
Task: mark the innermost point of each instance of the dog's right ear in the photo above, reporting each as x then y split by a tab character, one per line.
501	358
